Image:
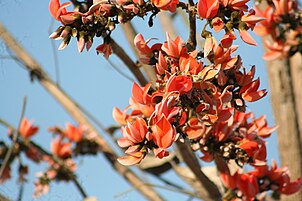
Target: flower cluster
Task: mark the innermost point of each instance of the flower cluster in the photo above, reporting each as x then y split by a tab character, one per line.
202	102
262	178
229	15
100	18
67	144
283	22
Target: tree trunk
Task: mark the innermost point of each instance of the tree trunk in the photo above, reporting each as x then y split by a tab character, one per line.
283	88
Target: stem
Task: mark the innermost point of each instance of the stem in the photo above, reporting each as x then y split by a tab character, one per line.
192	21
72	108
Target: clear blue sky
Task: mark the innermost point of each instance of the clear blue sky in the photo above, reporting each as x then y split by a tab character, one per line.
93	83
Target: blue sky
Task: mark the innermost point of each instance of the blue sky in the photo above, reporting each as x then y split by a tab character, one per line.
93	83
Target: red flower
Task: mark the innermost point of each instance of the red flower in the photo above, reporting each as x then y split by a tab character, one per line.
59	12
134	133
207	8
105	49
181	83
163	133
60	148
27	129
248	185
249	92
73	133
174	48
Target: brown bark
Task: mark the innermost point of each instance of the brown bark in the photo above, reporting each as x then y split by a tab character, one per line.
71	107
286	116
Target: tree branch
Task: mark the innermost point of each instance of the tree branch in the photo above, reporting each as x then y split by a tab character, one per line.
192	22
119	51
208	190
14	140
72	108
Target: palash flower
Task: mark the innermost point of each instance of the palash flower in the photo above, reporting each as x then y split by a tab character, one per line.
105	49
141	94
174	48
181	84
134	133
60	148
73	133
59	12
27	129
207	8
250	91
163	135
166	4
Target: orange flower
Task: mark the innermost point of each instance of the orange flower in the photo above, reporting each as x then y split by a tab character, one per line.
218	24
163	133
27	129
195	129
119	116
174	48
246	37
141	95
207	8
249	92
105	49
134	133
60	148
166	4
131	159
73	133
181	83
251	19
59	12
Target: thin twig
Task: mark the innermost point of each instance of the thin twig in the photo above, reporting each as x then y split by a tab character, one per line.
14	140
184	18
192	21
119	71
71	106
120	52
54	53
181	191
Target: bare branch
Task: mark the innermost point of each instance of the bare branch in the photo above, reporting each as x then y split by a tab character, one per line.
14	140
208	190
120	52
192	21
